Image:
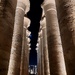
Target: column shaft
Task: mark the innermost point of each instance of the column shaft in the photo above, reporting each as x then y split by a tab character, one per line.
26	56
45	49
24	62
15	56
56	57
66	16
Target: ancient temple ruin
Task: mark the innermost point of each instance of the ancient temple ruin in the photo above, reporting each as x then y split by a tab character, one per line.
55	45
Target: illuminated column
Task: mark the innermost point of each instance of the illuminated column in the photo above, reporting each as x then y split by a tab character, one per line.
35	70
42	52
66	16
24	54
56	57
28	43
39	58
27	47
40	55
37	49
16	48
45	47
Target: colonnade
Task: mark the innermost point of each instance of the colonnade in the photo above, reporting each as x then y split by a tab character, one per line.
53	41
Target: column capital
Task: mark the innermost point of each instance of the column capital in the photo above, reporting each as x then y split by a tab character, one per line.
38	39
37	44
28	40
37	49
48	2
40	34
28	33
29	48
43	23
29	45
26	3
26	22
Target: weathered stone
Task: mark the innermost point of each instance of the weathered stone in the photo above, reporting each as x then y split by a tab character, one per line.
15	56
56	57
66	16
45	48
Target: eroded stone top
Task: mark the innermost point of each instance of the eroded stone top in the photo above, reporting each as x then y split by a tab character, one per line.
27	4
48	2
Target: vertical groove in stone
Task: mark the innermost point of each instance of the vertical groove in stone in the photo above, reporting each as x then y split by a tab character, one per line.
66	16
15	56
56	57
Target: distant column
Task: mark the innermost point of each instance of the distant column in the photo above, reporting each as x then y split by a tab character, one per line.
45	48
28	44
42	49
39	59
42	55
56	57
24	54
16	48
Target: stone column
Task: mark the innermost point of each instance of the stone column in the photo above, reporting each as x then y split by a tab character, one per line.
42	51
28	44
41	48
24	54
45	48
39	58
40	55
15	56
56	57
66	16
37	48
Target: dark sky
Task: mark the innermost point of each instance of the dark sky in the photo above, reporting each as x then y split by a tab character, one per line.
34	15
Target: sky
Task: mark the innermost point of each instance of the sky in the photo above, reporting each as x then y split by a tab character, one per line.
34	15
